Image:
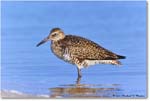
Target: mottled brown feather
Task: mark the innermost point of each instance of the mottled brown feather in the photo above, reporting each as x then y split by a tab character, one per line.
85	49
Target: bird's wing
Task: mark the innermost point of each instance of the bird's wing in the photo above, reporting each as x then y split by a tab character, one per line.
85	49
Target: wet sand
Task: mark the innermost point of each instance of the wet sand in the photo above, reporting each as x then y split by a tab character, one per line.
5	94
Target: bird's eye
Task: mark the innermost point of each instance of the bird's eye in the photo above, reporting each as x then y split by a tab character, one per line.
54	34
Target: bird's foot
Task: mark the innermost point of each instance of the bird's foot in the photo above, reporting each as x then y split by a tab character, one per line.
78	79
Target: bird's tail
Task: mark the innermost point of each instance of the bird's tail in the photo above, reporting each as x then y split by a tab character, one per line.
121	57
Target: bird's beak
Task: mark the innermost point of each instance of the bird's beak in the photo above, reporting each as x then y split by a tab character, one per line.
43	41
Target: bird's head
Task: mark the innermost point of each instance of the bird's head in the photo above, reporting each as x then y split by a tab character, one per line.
56	34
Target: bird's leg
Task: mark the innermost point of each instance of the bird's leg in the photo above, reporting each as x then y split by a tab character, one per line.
78	80
79	72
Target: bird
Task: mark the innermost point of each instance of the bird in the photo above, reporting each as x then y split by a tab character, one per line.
79	51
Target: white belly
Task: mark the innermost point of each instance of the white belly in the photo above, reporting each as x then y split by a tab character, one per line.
87	63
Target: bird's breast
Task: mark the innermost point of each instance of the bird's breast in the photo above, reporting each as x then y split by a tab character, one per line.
57	49
60	51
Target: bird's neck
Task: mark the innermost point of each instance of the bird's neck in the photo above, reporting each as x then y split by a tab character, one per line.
63	36
58	40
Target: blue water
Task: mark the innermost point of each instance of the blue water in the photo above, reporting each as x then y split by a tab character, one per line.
117	26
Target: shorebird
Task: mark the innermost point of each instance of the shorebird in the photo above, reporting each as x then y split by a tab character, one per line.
79	51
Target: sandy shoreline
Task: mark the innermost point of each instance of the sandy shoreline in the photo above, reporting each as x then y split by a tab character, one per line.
12	94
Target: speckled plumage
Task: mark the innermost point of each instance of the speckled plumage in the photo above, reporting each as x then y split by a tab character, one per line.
79	51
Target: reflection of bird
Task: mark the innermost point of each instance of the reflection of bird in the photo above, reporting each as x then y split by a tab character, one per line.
79	51
79	90
85	91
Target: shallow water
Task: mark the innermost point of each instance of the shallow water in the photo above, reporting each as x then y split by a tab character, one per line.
117	26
